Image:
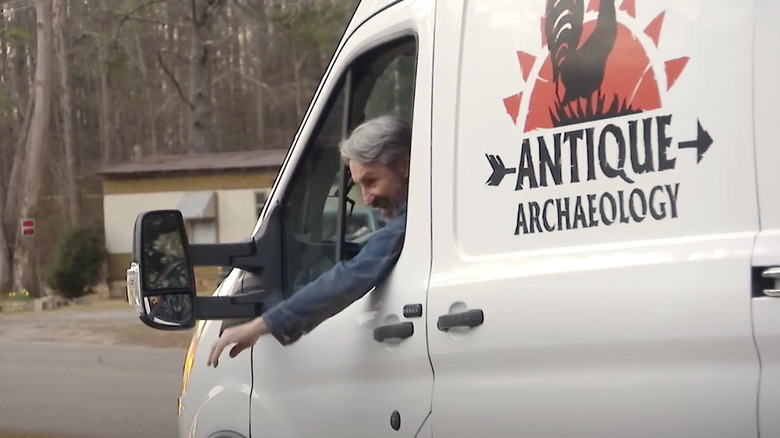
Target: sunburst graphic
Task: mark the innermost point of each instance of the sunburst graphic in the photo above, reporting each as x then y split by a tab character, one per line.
593	64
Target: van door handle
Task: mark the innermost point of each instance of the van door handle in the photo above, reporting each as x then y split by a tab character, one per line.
401	330
774	274
470	318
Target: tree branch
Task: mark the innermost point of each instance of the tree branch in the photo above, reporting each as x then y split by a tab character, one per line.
194	12
146	20
208	10
130	15
248	7
212	6
174	81
250	79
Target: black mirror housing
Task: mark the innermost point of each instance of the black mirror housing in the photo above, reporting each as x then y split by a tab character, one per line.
161	280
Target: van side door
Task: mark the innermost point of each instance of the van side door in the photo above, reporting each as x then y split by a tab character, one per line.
766	257
595	215
364	371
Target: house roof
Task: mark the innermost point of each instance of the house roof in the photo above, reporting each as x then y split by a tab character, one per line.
244	160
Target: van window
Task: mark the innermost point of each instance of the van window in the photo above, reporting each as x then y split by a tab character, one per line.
325	219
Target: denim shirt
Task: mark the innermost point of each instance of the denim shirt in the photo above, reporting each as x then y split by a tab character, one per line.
340	286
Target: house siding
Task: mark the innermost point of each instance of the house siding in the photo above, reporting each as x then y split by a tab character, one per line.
124	199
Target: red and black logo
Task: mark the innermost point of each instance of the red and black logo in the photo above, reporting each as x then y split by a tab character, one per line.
591	108
594	69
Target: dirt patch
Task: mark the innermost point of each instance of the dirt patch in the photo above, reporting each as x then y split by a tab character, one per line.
23	435
139	334
107	322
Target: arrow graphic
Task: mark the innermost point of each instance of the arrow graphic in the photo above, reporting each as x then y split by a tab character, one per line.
499	170
702	142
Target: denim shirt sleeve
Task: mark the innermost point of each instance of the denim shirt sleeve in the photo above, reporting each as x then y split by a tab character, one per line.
338	287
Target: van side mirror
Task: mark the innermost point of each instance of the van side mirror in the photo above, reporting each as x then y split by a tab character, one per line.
161	281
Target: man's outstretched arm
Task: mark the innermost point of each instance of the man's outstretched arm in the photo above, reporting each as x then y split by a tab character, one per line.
324	297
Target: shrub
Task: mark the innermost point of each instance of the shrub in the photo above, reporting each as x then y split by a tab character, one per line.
75	267
24	295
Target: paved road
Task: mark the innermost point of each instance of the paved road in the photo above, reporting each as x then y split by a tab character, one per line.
83	391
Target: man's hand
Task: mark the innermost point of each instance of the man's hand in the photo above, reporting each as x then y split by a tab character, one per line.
244	336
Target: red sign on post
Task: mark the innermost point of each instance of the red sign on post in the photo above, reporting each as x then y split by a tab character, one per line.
28	227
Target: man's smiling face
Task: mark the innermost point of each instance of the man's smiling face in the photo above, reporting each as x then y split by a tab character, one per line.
384	187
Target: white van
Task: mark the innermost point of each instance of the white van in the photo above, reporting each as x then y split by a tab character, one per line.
592	242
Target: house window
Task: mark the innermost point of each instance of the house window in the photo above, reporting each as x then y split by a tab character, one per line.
199	210
201	230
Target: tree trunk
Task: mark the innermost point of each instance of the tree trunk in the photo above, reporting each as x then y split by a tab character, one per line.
257	28
5	167
21	81
14	189
17	77
66	100
148	91
105	119
261	51
5	254
173	138
297	80
105	100
25	269
202	138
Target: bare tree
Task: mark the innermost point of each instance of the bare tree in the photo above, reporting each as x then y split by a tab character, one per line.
66	102
104	102
202	136
154	76
25	276
148	92
258	36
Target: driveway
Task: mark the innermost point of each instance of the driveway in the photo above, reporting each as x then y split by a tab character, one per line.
108	322
90	371
88	391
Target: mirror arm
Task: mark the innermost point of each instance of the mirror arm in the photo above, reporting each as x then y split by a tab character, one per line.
242	255
245	306
211	308
258	297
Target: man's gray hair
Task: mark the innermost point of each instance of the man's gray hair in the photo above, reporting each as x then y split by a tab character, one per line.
383	139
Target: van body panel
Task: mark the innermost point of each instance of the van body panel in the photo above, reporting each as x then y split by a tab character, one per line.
216	399
599	184
766	312
224	409
337	380
766	309
605	311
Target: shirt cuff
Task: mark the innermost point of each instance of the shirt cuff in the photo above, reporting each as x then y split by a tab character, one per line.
281	323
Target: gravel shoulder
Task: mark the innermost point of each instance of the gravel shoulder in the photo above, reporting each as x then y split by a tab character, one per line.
103	322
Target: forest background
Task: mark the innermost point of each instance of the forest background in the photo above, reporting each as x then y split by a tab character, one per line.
85	84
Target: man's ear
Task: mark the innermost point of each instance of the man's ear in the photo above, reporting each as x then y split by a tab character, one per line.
402	166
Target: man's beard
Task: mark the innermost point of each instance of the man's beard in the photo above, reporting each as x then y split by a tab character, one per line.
389	208
386	207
